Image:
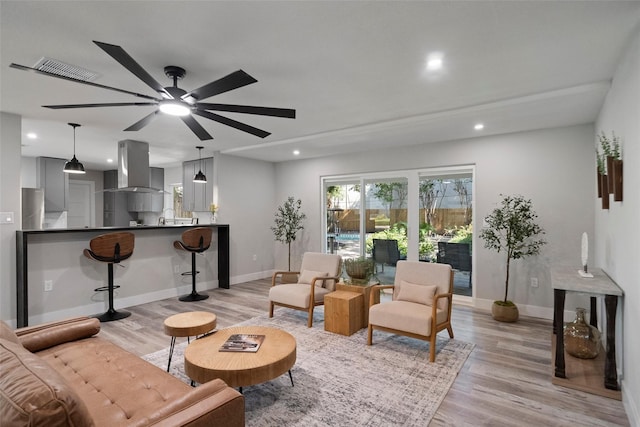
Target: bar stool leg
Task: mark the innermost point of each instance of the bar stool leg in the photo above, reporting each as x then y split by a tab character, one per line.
111	313
193	296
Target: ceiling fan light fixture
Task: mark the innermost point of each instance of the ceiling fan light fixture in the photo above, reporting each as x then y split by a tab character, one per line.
73	165
174	108
200	177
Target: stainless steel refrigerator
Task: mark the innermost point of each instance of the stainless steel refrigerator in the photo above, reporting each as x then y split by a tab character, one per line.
32	208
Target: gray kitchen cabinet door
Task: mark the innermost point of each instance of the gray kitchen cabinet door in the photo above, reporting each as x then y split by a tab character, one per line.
51	178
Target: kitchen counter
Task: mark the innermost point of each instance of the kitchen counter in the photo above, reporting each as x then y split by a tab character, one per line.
153	272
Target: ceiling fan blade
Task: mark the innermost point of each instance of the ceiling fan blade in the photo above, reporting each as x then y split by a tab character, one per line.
249	109
142	122
35	70
232	81
233	123
196	127
118	53
113	104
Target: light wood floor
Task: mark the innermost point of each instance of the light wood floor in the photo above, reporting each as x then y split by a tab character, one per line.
505	382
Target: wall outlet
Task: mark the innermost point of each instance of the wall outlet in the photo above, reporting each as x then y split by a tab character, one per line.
255	257
534	282
48	285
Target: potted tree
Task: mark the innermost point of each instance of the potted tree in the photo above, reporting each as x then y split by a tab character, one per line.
288	221
511	228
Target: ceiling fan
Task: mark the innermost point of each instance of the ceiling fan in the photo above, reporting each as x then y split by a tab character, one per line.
174	100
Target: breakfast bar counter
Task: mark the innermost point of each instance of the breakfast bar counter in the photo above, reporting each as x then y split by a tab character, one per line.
55	279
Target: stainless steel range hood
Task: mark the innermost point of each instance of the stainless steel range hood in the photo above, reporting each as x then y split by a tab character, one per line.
133	167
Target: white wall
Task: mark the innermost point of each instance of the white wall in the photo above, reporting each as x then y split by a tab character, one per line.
553	167
245	198
617	229
10	141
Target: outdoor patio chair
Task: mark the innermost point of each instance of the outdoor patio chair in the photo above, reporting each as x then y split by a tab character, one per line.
317	277
385	251
420	306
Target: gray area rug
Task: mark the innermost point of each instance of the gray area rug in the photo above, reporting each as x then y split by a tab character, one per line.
340	381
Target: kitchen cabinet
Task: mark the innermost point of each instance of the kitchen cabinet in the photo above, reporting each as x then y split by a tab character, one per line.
149	202
51	178
197	197
114	203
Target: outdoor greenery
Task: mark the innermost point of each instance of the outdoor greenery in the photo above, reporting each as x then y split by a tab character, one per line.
288	221
512	228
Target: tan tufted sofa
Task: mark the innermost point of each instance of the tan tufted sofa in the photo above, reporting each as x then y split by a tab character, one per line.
61	374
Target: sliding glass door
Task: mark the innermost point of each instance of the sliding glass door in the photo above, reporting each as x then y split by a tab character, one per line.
420	215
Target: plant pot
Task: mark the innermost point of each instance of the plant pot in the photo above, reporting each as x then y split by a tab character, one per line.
599	179
605	192
610	167
617	180
504	313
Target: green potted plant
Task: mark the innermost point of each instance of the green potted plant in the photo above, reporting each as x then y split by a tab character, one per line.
288	222
511	228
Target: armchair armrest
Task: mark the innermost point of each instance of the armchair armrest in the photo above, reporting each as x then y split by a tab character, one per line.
434	306
40	337
210	404
375	290
280	273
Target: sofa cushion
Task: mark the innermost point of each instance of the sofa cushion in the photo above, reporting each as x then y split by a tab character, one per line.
34	394
296	295
118	387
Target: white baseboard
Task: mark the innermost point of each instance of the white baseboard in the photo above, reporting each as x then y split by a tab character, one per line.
525	310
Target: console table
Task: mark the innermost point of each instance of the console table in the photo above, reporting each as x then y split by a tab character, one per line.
567	279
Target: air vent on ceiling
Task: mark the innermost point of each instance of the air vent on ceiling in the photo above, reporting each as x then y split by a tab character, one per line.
60	68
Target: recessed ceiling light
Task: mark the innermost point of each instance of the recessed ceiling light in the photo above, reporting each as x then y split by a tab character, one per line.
479	126
296	152
109	160
434	61
32	135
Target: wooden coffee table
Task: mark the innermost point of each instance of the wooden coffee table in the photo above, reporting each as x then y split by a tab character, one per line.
204	362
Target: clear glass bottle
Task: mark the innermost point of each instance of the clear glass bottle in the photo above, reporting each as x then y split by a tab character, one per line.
581	340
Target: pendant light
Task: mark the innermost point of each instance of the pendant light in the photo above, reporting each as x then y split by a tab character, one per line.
73	165
200	177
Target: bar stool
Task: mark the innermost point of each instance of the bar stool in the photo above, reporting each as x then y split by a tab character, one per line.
111	248
195	240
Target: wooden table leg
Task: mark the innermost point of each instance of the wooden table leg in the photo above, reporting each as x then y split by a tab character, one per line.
593	319
558	322
610	369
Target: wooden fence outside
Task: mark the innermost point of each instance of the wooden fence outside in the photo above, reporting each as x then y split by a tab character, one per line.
444	219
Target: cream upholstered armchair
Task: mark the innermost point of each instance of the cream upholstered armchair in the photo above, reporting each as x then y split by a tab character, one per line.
420	305
317	277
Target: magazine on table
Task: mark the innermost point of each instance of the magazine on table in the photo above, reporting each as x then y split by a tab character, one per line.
247	343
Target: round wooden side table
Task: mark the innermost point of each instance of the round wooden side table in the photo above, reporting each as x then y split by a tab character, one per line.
190	324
